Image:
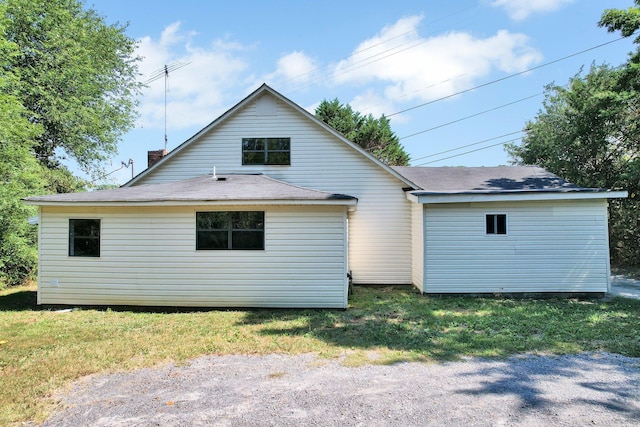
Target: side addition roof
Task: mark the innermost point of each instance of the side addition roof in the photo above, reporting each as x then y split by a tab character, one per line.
467	184
219	190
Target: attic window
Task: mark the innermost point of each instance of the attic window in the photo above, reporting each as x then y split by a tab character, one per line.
496	223
266	151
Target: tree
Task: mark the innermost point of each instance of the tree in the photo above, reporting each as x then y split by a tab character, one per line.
77	79
67	90
374	135
626	21
19	175
587	132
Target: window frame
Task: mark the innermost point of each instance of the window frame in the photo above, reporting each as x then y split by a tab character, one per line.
232	231
265	150
73	238
499	228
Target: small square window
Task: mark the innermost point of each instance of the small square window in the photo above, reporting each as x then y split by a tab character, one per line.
84	237
496	223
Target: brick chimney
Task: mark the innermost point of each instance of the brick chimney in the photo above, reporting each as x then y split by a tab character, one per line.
154	156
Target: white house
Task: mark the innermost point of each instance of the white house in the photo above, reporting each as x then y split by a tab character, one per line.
294	208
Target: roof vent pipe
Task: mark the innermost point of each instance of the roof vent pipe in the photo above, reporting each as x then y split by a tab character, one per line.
216	177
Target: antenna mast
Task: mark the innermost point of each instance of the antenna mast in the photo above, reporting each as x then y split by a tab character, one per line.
164	71
166	77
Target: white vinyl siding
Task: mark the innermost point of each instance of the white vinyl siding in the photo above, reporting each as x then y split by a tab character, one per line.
379	229
417	244
149	257
559	246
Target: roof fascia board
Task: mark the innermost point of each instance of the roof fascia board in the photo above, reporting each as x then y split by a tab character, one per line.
351	203
416	197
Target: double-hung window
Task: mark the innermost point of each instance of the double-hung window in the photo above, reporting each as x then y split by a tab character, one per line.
84	237
496	223
266	151
230	230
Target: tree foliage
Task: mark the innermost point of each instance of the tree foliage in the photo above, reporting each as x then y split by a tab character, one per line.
77	79
587	132
67	90
374	135
19	174
626	21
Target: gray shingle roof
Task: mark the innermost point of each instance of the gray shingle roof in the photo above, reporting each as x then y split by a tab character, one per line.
486	179
200	189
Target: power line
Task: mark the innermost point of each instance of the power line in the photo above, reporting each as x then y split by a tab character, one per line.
546	64
473	115
308	84
469	145
468	152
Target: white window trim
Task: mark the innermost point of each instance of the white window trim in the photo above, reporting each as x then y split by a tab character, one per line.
506	224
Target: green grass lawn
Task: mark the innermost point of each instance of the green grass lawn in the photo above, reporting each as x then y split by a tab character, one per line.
42	349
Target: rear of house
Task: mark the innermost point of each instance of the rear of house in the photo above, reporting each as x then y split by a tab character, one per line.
269	207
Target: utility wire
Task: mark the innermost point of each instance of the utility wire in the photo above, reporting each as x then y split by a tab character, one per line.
469	145
308	84
468	152
546	64
471	116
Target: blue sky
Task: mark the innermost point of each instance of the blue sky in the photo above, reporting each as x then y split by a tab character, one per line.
380	57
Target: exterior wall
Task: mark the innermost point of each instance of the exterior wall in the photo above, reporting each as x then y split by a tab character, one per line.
417	245
379	230
559	246
148	257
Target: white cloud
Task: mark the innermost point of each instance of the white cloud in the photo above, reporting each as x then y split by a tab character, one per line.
196	91
373	103
521	9
415	68
293	69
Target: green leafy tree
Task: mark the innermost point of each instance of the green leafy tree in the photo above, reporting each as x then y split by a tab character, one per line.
626	21
587	132
67	90
19	175
77	79
374	135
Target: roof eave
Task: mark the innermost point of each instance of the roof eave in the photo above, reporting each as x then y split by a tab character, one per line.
506	196
351	203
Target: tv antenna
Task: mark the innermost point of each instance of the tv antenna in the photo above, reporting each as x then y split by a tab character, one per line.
158	74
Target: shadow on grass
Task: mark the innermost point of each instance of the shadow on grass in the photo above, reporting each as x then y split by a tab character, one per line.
19	301
446	328
26	300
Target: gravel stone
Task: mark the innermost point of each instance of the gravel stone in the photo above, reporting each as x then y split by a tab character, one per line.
277	390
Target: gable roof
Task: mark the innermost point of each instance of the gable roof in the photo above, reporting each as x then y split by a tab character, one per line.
464	184
251	97
228	189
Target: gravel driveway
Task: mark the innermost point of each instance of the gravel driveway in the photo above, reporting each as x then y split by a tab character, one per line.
586	389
